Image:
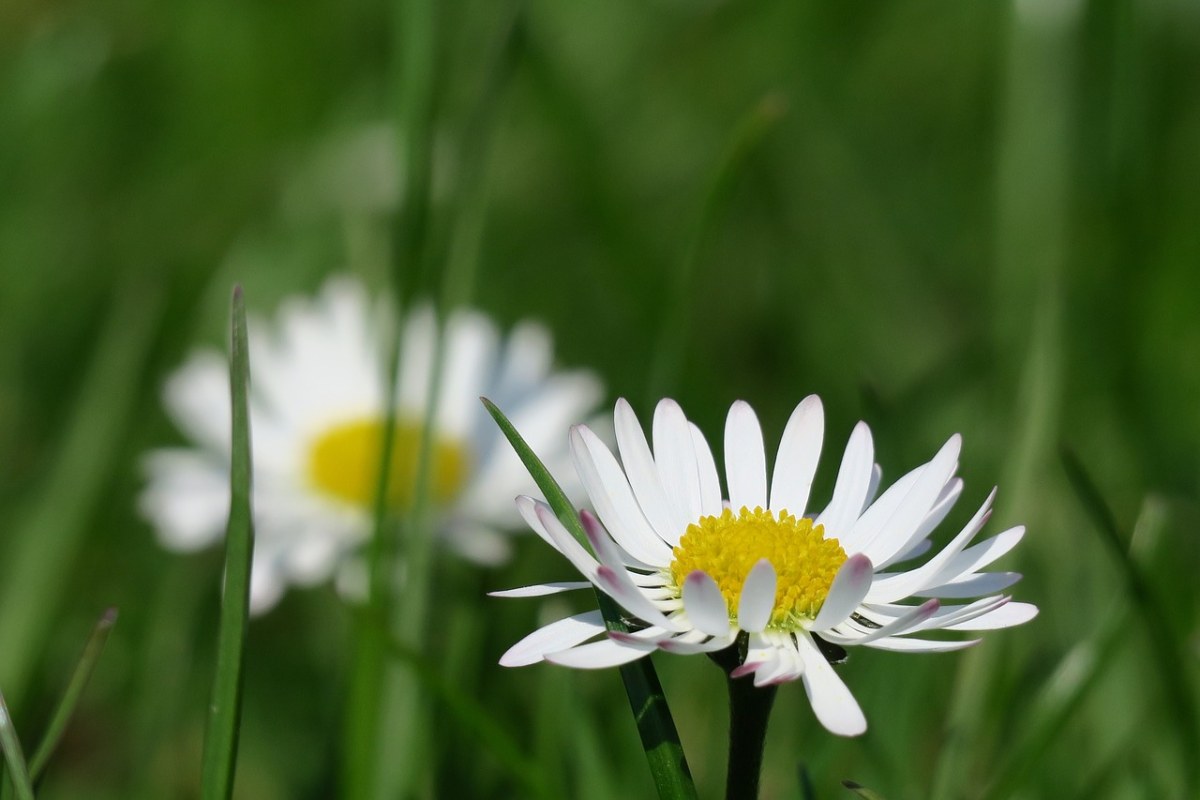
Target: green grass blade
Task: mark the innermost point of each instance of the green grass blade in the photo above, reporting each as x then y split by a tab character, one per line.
70	698
17	773
862	791
40	552
1164	642
656	727
221	734
474	718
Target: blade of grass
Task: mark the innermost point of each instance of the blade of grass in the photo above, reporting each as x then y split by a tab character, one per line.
66	706
225	706
660	738
474	718
17	773
1164	642
41	552
862	791
403	696
672	336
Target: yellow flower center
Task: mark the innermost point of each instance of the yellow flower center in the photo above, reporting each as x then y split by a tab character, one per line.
728	546
343	462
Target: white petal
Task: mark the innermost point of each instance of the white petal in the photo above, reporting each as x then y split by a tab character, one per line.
796	462
541	589
853	482
642	473
187	498
609	491
468	362
541	519
552	638
758	597
705	605
601	654
973	586
528	354
745	458
950	494
850	586
906	645
710	482
895	587
831	700
978	556
679	646
616	584
882	535
675	457
1004	617
417	348
197	396
910	620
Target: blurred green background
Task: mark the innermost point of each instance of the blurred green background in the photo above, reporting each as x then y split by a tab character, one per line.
973	216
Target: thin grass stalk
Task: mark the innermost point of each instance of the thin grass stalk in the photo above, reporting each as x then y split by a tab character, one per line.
224	720
17	772
70	699
39	563
656	728
1165	644
474	718
1032	225
413	59
403	705
670	347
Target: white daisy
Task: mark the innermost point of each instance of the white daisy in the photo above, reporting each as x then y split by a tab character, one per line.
695	572
316	407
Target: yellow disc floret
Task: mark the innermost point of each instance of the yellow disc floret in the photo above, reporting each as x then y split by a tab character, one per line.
343	463
728	546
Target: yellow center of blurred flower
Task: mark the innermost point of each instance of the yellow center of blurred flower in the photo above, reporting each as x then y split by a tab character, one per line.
343	462
728	546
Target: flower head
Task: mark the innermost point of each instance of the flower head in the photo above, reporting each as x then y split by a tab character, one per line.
767	569
317	417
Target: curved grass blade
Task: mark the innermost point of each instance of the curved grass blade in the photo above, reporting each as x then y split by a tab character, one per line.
862	791
66	706
660	739
1164	643
17	773
221	733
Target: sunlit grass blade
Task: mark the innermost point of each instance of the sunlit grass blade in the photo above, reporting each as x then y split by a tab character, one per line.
660	738
66	706
1164	642
221	734
1063	693
17	772
475	718
42	545
862	791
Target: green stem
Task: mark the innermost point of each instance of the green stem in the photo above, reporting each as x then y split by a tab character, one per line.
749	711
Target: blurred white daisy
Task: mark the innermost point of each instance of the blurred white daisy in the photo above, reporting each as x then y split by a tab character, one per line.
782	578
316	406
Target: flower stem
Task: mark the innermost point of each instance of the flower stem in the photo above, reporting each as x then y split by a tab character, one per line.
749	711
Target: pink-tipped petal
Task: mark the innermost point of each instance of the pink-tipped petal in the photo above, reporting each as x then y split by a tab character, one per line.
850	586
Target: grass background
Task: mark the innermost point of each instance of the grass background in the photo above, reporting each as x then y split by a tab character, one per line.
976	217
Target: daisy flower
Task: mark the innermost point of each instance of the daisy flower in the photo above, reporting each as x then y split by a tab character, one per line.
317	416
789	582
